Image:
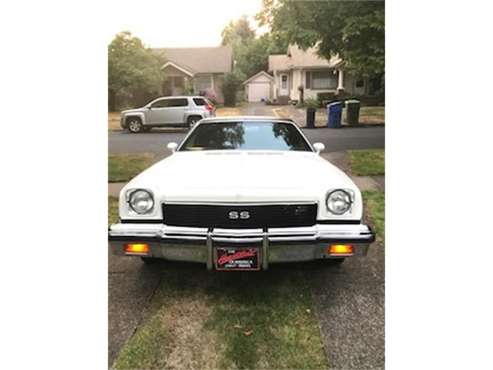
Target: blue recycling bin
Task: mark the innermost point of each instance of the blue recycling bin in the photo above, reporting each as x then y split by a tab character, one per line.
334	113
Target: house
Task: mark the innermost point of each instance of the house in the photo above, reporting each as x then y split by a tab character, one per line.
259	87
195	70
304	70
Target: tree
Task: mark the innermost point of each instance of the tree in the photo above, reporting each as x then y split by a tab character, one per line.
230	87
237	32
134	73
355	30
251	53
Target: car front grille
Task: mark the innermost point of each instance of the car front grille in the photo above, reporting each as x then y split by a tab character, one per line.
240	216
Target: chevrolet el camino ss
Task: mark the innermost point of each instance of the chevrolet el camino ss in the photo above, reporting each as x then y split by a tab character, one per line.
241	193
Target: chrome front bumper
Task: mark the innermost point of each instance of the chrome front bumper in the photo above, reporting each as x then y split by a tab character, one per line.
277	244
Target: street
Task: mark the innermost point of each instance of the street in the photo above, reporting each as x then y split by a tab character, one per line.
347	138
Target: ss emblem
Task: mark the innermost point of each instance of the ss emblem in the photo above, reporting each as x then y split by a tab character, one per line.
234	215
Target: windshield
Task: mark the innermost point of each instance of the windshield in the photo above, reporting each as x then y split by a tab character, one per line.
251	135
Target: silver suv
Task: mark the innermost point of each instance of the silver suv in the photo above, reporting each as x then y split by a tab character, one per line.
167	111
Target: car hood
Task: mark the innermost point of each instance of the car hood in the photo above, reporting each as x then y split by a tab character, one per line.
135	110
242	176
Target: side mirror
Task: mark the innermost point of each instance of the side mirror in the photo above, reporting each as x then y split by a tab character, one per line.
172	146
319	147
149	107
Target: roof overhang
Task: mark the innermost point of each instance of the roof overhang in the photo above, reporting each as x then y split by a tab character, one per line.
180	68
261	73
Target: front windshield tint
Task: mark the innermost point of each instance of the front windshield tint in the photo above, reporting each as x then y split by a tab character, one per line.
246	136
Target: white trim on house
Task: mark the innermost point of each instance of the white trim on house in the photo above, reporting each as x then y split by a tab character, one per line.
259	87
170	63
261	73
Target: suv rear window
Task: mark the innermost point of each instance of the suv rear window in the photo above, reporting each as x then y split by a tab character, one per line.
199	101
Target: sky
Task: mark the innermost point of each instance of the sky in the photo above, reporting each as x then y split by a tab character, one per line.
179	23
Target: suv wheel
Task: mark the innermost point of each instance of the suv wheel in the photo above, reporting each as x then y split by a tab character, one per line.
192	120
135	125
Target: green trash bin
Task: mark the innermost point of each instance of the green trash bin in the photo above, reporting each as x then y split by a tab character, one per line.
352	111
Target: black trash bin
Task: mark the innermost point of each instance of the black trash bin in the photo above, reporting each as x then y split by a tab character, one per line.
310	117
352	111
334	113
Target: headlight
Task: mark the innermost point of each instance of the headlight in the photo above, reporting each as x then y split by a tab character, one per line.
338	201
141	201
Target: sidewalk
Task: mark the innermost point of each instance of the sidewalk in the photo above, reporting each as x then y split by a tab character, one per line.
364	183
114	188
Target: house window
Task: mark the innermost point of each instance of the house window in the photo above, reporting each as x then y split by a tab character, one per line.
308	80
323	80
203	83
360	83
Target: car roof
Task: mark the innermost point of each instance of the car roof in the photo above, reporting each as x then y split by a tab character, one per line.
181	97
246	118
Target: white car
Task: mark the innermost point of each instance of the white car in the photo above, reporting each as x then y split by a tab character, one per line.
167	111
240	193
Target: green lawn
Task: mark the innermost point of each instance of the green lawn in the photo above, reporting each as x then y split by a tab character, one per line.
372	111
122	168
112	210
372	115
375	204
367	162
204	320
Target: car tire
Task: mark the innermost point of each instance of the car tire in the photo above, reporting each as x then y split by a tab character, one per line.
134	125
149	260
192	120
336	261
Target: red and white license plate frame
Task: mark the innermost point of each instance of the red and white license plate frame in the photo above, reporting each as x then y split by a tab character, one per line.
237	258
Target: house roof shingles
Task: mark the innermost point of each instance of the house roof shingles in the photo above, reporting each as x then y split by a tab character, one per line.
200	60
297	58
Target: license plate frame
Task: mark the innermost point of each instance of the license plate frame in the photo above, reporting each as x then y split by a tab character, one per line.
247	258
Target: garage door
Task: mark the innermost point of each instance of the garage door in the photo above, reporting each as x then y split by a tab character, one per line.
258	91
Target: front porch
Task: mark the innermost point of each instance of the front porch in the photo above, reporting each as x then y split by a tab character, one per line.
179	81
297	84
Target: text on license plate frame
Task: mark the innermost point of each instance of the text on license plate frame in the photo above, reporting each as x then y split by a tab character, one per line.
245	252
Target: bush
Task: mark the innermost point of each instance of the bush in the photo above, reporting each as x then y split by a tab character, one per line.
312	103
326	96
230	89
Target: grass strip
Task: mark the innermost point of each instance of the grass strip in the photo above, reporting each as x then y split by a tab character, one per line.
375	203
367	162
122	168
112	210
237	320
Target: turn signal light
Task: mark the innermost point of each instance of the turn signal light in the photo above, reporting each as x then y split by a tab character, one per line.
137	248
340	250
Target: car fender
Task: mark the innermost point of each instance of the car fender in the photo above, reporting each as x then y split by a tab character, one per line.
193	112
141	115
